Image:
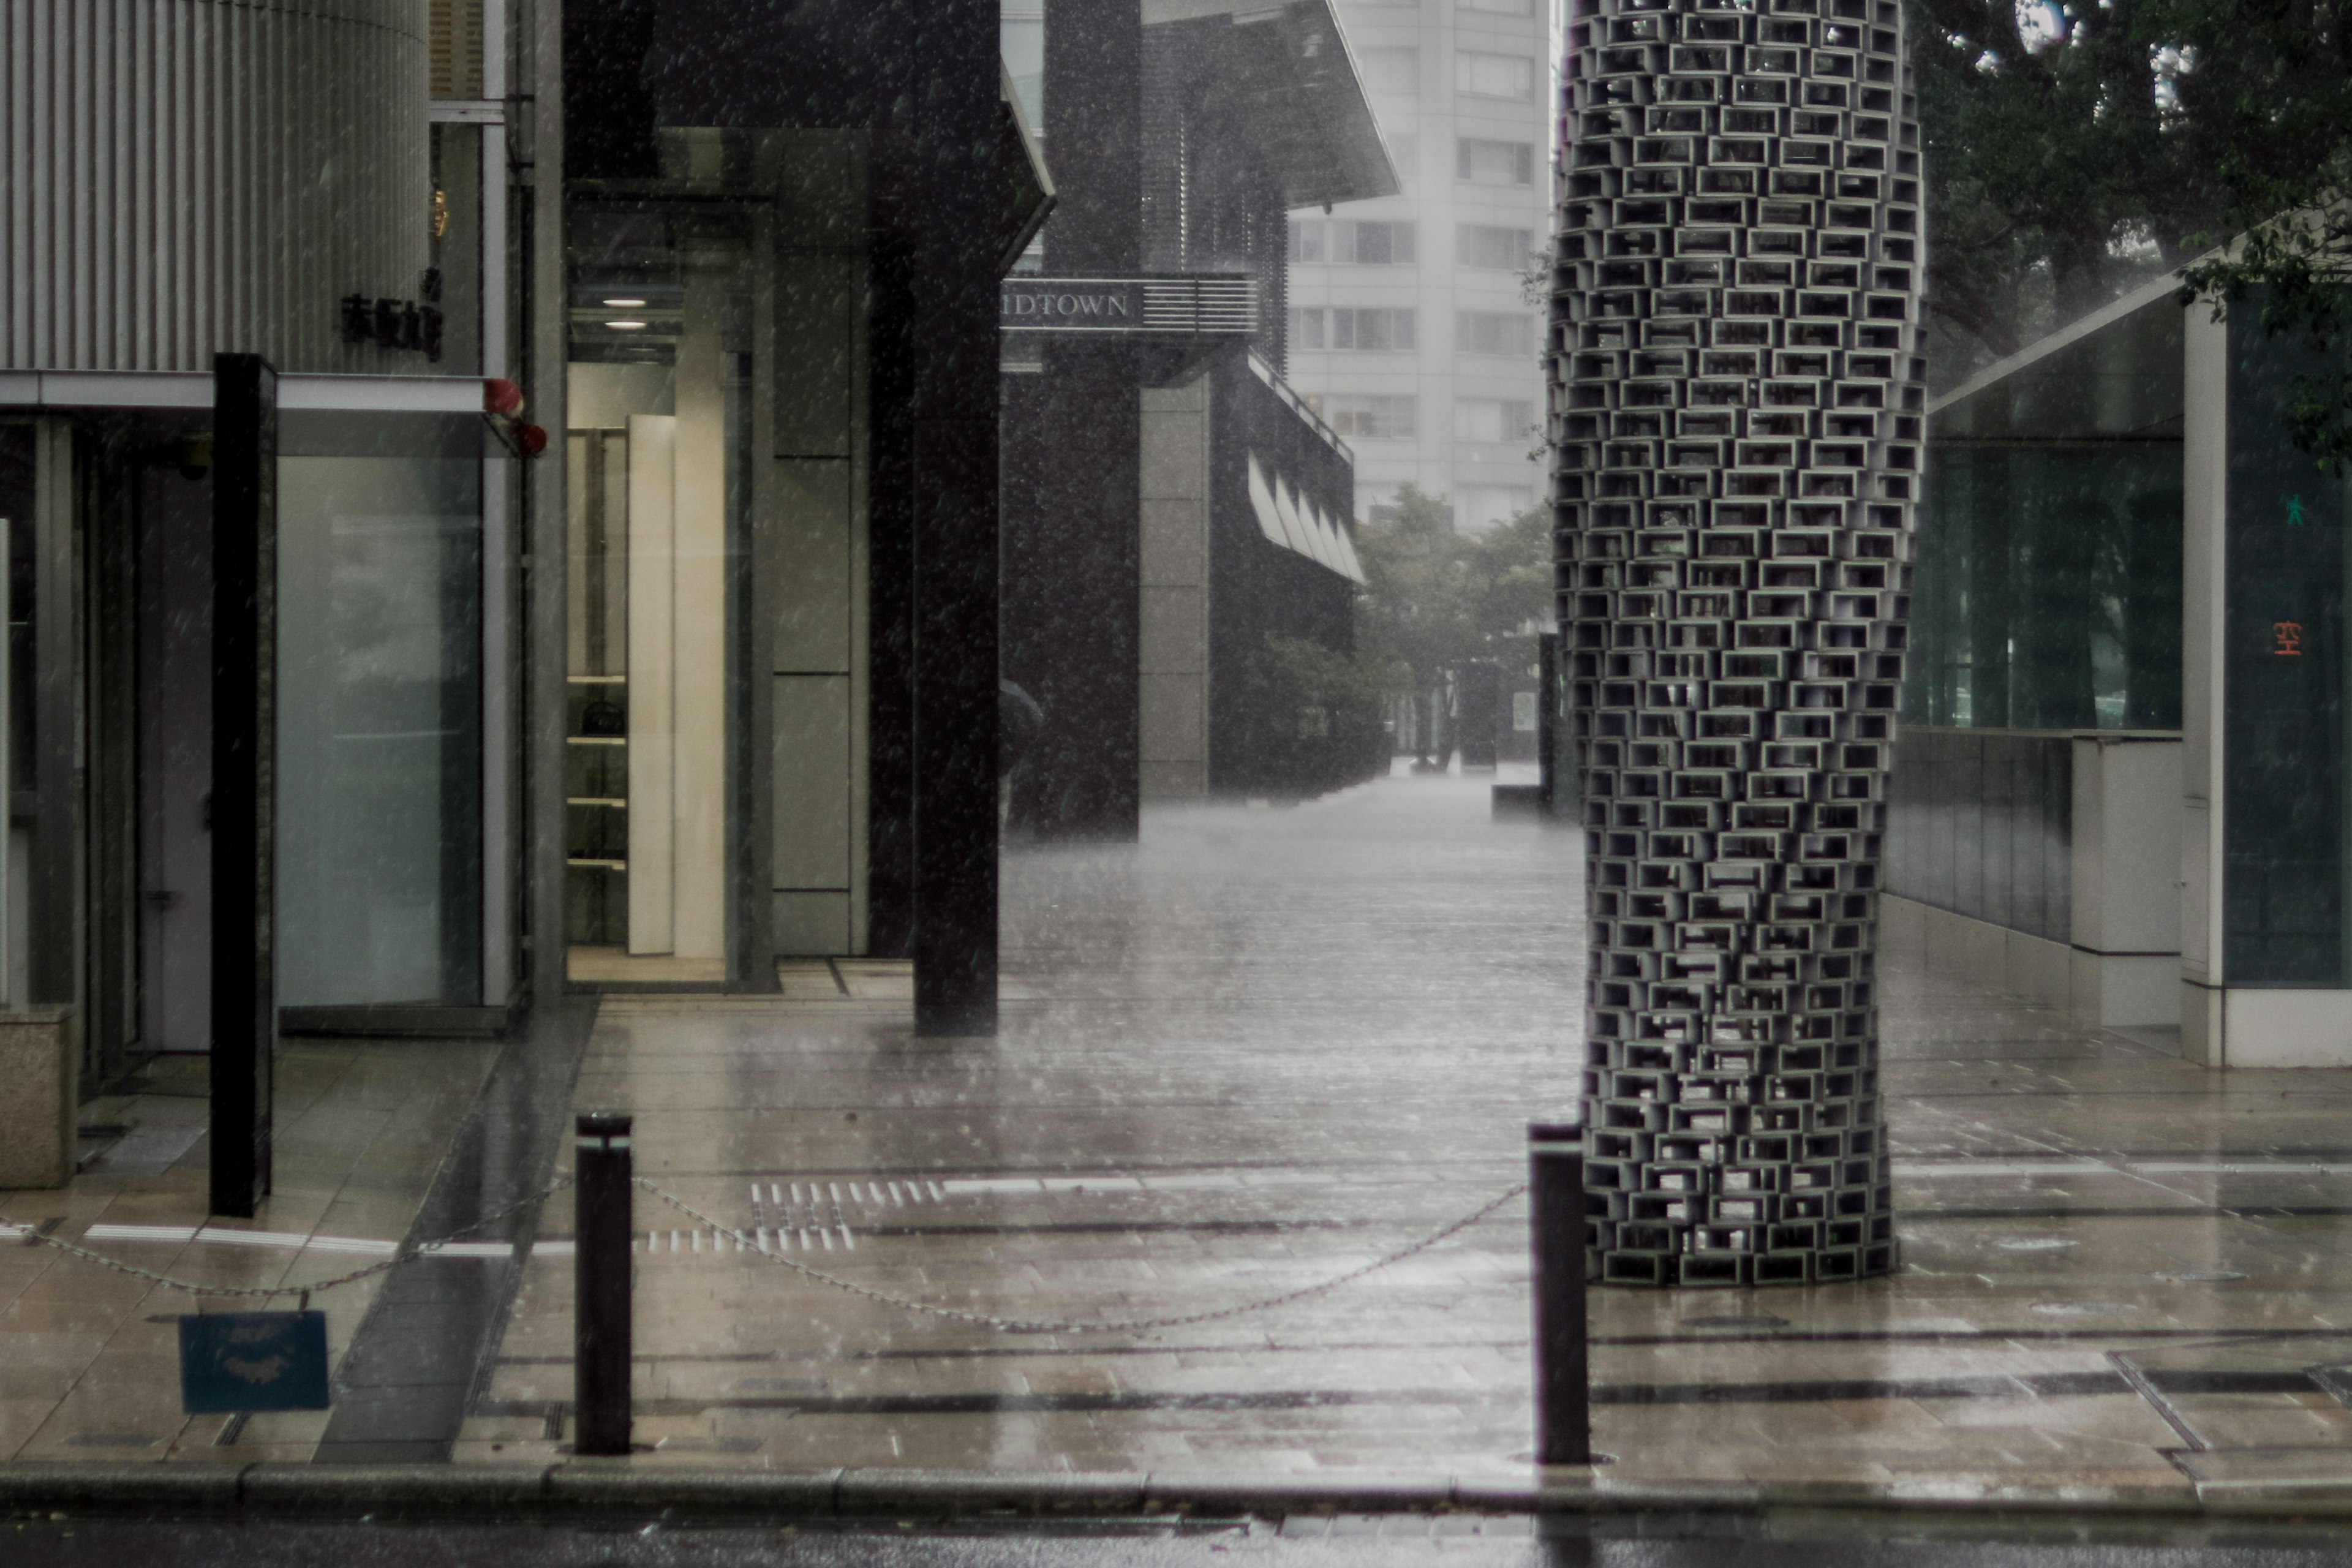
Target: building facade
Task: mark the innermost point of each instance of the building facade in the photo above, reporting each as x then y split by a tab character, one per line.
1414	328
2121	787
1143	593
634	396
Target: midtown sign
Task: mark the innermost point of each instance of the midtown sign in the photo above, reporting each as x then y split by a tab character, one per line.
1071	305
1143	307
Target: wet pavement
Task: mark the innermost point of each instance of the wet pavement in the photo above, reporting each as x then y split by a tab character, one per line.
1267	1046
89	1357
1270	1045
1345	1542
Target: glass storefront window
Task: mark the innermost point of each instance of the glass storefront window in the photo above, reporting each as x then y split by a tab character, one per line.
2047	593
380	711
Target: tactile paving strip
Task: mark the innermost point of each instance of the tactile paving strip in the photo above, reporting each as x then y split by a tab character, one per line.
1737	400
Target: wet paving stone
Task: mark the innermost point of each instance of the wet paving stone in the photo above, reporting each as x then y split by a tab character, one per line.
1266	1047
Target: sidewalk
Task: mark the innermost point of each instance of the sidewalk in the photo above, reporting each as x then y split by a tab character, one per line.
89	1366
1267	1046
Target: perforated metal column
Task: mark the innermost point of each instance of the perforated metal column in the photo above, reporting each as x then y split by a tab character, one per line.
1735	404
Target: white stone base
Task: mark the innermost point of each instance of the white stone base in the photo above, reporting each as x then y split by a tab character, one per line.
2111	990
2249	1027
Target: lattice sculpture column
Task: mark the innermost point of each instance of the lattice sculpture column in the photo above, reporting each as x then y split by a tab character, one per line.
1737	400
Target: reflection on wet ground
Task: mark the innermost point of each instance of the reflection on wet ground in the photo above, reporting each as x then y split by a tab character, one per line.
1358	1541
1268	1046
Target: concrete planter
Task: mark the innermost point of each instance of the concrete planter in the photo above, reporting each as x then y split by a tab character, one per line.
40	1056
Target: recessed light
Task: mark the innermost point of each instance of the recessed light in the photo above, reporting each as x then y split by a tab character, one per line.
626	326
626	304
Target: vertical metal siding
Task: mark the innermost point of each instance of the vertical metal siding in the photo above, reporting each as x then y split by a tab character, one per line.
182	177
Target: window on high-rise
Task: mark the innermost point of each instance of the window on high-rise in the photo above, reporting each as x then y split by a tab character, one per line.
1479	161
1373	244
1494	76
1503	249
1477	508
1494	333
1494	419
1497	7
1390	70
1318	327
1376	503
1369	416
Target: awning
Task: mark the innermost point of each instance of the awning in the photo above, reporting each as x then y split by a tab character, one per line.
1282	72
1291	520
1294	527
1269	521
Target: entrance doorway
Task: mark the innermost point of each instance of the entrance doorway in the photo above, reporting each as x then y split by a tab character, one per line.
658	504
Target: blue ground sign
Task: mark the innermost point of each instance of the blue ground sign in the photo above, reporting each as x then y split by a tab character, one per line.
252	1361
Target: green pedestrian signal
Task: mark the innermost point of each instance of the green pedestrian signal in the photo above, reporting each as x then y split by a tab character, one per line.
2295	518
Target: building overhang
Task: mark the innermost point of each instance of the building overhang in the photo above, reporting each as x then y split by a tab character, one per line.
104	389
2114	375
1285	77
1159	305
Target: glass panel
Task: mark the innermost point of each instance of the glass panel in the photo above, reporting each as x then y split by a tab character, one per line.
380	715
2284	870
2047	595
458	243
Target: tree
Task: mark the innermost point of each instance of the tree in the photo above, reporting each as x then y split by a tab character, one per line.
2278	124
2052	180
2073	148
1435	599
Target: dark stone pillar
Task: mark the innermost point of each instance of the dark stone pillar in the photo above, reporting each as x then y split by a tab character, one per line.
1072	588
244	830
949	174
1073	449
890	610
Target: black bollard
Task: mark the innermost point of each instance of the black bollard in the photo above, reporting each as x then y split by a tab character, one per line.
1556	1198
599	1292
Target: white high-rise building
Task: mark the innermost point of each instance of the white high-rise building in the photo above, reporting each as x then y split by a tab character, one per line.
1410	328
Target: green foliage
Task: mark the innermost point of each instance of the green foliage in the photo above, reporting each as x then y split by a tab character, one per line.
1337	683
2299	266
2077	147
1434	598
2052	179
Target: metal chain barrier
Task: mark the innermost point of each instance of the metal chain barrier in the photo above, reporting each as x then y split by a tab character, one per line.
1121	1325
406	1251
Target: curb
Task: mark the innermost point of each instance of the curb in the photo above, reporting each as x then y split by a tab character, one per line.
591	1488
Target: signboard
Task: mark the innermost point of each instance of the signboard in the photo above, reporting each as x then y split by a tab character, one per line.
252	1361
1180	307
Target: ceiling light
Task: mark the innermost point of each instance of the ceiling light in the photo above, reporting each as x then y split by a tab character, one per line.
626	304
626	326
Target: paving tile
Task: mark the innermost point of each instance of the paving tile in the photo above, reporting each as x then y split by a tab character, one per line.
1256	1051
